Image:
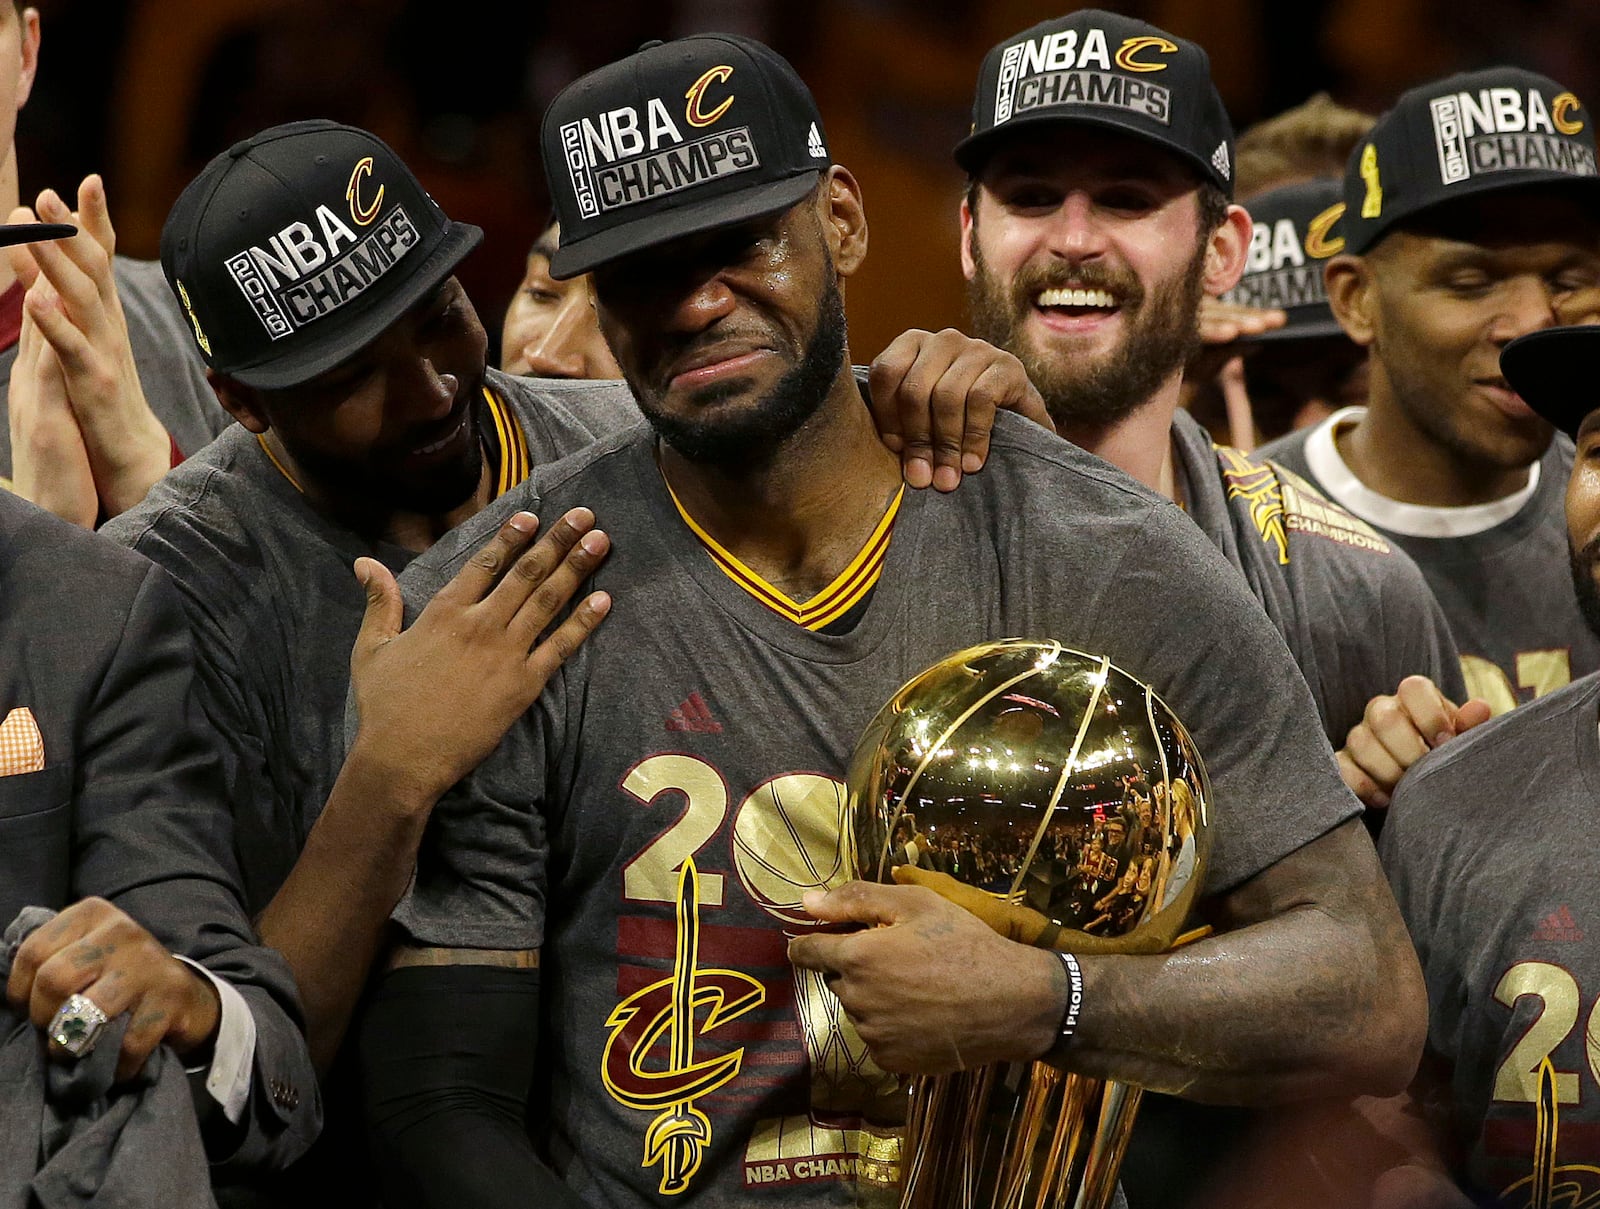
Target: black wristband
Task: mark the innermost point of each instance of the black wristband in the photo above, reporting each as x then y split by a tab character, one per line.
1070	1013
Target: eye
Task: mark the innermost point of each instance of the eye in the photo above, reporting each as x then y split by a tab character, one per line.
443	313
1576	277
1127	199
1468	283
1030	195
541	295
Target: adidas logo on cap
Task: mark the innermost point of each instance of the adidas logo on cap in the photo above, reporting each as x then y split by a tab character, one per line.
1220	161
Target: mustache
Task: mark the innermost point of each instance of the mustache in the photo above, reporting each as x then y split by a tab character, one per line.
1121	284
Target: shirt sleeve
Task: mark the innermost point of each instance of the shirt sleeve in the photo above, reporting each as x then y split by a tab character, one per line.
233	1052
1176	616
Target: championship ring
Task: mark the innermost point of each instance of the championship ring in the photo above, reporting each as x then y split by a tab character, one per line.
76	1025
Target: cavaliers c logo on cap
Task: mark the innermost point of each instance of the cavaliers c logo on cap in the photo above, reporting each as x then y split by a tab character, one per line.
1318	245
1560	108
697	92
363	215
1133	46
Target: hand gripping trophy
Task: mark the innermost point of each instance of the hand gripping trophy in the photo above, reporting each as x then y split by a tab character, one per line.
1061	801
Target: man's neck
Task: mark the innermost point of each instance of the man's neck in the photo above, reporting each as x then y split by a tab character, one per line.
1395	458
414	531
1140	444
799	517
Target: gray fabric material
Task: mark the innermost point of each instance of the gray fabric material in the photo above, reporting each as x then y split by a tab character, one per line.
1486	847
130	805
170	369
1355	610
574	808
69	1138
1506	592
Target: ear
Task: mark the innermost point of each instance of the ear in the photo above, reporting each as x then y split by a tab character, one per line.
844	220
241	402
969	232
1227	248
28	37
1353	295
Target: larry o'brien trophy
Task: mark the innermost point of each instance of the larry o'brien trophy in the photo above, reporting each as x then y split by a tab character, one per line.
1060	800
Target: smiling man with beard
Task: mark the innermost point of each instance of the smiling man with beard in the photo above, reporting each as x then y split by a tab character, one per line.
1090	233
610	986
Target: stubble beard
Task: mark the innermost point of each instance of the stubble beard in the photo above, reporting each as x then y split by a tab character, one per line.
1161	333
752	438
1583	563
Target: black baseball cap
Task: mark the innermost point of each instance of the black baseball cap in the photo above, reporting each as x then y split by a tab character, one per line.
298	247
1464	135
1555	372
677	138
1296	229
1103	69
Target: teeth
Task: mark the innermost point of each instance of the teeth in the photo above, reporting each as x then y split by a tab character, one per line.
1058	297
435	446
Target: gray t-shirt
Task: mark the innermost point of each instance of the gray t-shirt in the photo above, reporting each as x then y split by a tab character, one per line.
1355	610
170	369
268	584
1506	590
698	723
1484	848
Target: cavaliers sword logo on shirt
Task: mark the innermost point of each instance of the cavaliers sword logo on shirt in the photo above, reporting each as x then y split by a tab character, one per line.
697	1047
678	1137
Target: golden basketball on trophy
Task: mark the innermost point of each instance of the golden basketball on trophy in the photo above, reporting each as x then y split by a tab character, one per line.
1060	800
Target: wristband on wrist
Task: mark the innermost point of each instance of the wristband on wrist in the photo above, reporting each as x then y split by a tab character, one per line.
1072	1011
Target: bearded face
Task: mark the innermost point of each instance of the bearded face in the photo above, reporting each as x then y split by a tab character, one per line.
1049	313
1086	256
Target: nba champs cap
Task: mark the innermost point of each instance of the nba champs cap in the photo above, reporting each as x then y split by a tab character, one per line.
296	248
1463	135
1296	229
679	137
1103	69
1555	372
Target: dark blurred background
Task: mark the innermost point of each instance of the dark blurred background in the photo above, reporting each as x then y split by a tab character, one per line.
145	91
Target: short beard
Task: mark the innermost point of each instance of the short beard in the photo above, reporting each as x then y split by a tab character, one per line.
1163	333
1583	563
385	491
753	437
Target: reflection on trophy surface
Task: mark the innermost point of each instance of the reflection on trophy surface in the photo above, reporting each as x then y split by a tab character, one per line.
1061	801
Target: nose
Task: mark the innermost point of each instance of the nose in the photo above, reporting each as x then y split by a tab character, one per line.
1527	304
556	352
1074	233
434	393
697	303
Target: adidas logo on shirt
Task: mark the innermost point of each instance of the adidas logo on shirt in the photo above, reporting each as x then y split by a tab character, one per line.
1559	925
694	715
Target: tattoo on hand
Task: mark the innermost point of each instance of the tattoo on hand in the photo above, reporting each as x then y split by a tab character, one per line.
93	955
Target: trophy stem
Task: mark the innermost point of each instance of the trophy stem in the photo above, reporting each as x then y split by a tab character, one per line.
1110	1144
